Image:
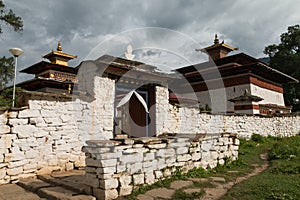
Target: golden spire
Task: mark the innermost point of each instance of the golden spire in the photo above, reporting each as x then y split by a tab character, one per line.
216	41
59	46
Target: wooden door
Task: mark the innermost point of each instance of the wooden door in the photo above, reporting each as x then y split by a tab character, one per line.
138	116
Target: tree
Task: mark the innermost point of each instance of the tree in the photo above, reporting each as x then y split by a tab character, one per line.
9	18
6	71
285	57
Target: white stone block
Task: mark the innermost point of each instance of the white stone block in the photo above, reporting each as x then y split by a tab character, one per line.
184	158
24	131
121	168
138	179
12	114
182	150
150	165
161	163
13	157
124	191
131	158
109	184
149	178
106	170
158	174
214	155
29	113
105	156
101	163
135	167
19	163
14	171
18	121
69	166
4	129
170	161
196	156
6	140
105	194
30	167
221	161
164	153
2	173
125	180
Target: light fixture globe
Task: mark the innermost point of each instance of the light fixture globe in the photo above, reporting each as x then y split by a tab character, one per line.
16	51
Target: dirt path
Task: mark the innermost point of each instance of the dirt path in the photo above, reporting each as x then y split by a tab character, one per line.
221	189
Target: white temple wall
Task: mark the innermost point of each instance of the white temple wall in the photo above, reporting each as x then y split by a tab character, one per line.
269	96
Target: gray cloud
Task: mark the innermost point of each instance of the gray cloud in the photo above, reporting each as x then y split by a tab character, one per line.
82	25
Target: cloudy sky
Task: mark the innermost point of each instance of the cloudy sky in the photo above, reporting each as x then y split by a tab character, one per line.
165	33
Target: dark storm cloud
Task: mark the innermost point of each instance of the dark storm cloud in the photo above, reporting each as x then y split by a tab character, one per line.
82	25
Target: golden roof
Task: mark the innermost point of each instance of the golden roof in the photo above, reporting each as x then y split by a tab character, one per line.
217	44
58	56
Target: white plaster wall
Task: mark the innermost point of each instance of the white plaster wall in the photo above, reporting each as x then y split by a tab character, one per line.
216	99
269	96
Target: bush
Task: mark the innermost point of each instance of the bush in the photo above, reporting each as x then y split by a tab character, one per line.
257	138
283	151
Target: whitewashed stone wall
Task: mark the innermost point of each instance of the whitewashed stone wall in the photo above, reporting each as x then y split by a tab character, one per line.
49	135
189	120
115	167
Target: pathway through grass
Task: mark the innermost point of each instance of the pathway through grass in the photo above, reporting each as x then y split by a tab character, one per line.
267	168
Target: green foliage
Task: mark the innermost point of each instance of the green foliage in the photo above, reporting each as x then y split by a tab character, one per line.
283	151
6	97
7	64
286	169
286	149
6	71
197	173
286	57
9	18
257	138
280	196
206	108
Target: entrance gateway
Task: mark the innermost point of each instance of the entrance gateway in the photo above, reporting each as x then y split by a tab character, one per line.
132	112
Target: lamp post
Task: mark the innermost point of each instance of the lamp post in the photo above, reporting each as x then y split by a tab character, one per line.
15	52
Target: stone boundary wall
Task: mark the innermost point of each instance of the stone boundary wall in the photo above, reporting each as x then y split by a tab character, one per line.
189	120
115	167
49	133
175	119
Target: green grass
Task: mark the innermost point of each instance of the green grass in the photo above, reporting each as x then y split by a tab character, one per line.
281	180
181	195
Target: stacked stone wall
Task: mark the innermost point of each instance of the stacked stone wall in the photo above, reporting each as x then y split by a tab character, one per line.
115	167
48	135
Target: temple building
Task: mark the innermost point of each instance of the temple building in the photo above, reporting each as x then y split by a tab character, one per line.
225	84
222	81
55	76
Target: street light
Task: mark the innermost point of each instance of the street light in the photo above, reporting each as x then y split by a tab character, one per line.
15	52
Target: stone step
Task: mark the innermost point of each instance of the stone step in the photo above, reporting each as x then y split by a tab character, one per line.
69	183
51	191
59	193
33	184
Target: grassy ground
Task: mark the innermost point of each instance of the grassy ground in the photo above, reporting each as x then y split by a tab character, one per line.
281	181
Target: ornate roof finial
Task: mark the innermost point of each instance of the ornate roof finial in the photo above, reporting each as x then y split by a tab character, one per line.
216	41
59	46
